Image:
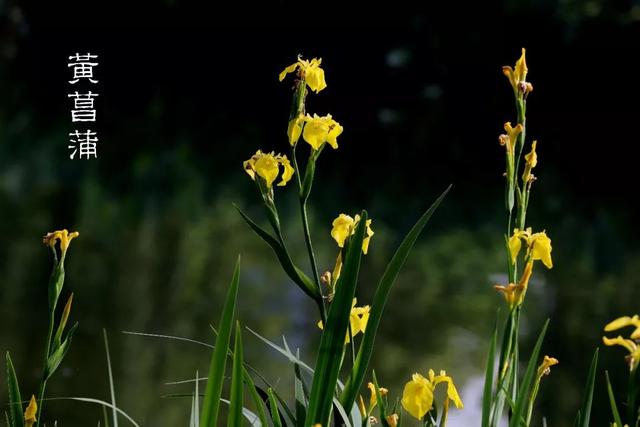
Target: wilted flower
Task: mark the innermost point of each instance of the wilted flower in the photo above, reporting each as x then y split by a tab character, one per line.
30	412
518	76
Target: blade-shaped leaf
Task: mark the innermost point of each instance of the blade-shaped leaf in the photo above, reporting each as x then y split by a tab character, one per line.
257	400
301	394
523	391
587	398
237	395
273	406
612	402
58	355
382	404
112	390
213	392
361	364
487	395
297	275
15	401
332	342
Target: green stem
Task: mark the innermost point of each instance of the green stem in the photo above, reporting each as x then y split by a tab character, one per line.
43	380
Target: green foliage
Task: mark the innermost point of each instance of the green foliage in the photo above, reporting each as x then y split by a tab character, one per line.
213	392
15	401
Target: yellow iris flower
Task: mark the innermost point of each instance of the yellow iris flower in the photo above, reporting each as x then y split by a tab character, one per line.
514	294
531	160
633	358
373	400
511	137
545	366
518	75
318	130
344	227
538	246
267	166
357	320
309	71
417	397
30	412
623	322
63	236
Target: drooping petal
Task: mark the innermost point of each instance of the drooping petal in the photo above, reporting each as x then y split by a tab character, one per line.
335	130
630	345
288	171
316	131
314	76
514	245
30	412
342	228
267	167
417	396
290	69
622	322
294	130
541	248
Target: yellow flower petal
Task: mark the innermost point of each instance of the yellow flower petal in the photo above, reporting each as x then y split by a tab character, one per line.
30	412
514	245
630	345
294	130
342	228
267	167
288	171
540	246
417	396
290	69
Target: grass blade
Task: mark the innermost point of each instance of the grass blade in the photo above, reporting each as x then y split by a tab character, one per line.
487	394
332	342
213	392
300	395
273	406
585	410
237	398
99	402
112	390
612	401
257	400
15	401
358	373
523	391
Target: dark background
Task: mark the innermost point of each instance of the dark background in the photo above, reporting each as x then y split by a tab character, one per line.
186	93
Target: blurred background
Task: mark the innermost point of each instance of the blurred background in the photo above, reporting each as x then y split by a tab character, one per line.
186	93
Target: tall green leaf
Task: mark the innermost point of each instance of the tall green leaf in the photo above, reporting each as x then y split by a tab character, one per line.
523	391
255	395
273	406
332	343
587	398
213	392
361	364
15	401
487	394
237	397
612	402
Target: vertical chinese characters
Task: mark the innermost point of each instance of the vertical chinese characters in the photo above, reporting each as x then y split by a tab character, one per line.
83	141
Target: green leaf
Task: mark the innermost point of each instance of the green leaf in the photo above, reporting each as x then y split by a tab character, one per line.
301	395
587	398
257	400
112	390
213	392
332	343
297	275
523	391
612	402
15	401
58	354
382	404
487	395
358	373
237	398
273	406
